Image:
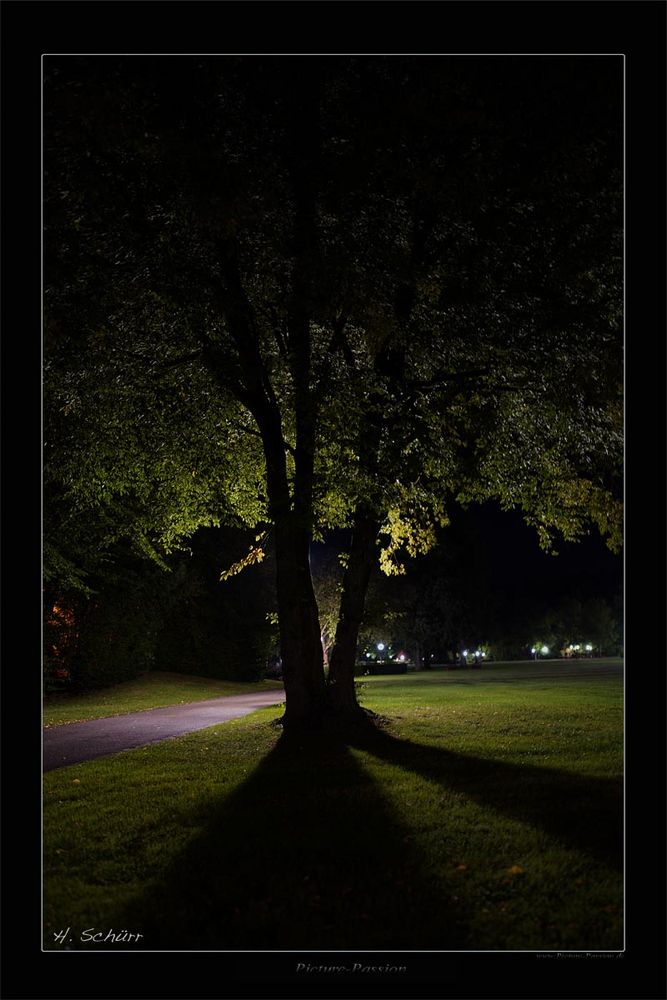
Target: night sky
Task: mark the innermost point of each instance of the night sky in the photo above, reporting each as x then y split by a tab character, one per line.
503	551
507	553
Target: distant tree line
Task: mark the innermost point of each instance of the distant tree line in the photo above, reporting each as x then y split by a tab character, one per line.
138	617
435	613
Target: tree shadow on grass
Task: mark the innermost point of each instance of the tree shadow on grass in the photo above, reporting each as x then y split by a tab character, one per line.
306	854
583	813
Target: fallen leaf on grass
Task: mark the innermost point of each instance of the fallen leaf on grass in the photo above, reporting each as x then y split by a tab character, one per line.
461	868
515	870
76	781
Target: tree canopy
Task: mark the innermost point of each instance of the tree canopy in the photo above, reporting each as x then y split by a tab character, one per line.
302	293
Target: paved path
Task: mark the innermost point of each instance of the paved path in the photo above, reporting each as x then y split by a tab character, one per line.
79	741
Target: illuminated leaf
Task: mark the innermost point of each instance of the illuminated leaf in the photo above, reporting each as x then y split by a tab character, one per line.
255	555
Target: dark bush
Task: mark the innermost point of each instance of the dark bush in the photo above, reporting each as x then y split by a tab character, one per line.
218	629
384	668
216	636
117	636
141	618
62	616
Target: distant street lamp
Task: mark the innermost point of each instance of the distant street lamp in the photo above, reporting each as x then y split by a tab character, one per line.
533	650
544	650
380	646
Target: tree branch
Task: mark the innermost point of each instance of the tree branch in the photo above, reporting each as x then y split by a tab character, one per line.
250	430
338	340
278	333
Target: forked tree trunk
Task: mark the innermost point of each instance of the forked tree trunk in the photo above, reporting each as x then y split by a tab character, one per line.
342	694
291	507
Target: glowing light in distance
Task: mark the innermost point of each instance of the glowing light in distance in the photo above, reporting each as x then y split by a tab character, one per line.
465	652
545	649
380	646
589	648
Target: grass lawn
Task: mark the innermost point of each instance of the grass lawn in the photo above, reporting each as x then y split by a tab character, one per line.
154	690
487	814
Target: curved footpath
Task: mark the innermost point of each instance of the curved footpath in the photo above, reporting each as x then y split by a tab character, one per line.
75	742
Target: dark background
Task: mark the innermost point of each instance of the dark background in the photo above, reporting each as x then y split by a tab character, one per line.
636	29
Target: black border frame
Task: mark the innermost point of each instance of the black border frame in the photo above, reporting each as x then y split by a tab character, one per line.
636	29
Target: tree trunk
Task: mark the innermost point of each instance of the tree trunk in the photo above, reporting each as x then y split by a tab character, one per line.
342	694
291	508
300	640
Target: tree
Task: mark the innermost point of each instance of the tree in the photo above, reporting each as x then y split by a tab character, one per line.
327	573
315	293
587	621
